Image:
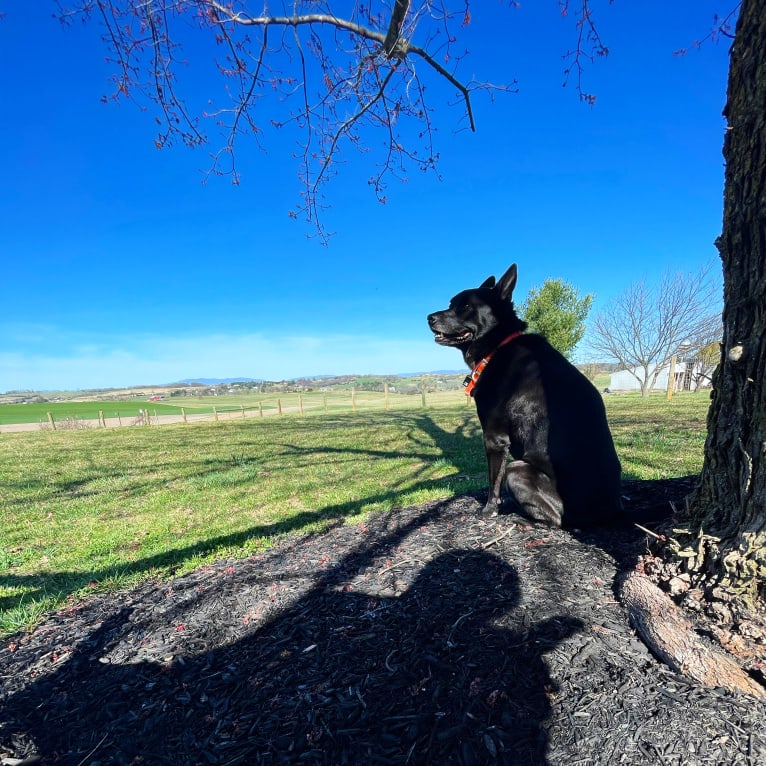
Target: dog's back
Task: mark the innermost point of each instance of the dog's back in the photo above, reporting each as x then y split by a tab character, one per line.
556	421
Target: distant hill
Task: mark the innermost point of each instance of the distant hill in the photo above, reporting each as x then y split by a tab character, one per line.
141	390
227	381
434	372
212	381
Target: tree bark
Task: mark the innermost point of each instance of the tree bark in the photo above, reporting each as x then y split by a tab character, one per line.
663	627
730	503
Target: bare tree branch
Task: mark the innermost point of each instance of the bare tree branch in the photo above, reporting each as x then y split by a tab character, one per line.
721	28
347	125
589	47
335	77
334	74
393	36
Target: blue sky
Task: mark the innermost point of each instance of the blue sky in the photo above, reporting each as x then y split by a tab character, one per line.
121	267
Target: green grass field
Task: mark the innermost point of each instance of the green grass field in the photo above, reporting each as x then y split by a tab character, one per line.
69	412
96	509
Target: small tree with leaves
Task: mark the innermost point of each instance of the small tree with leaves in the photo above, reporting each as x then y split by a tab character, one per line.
644	326
558	312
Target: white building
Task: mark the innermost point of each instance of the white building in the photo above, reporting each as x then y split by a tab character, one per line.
689	376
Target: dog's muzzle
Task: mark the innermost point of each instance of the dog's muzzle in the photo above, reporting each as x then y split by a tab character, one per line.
445	335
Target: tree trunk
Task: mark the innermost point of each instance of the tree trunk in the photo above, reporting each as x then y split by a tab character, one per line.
730	503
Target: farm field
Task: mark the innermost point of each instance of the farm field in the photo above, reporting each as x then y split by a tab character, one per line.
79	411
96	509
84	414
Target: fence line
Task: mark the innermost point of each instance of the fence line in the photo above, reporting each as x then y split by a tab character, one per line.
299	405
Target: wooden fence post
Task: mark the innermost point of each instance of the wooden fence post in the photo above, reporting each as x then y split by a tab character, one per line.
325	403
51	421
385	395
215	413
260	408
101	419
300	403
279	406
183	414
119	419
353	398
243	412
423	394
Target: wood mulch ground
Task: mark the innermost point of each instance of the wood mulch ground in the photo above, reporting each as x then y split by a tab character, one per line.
430	635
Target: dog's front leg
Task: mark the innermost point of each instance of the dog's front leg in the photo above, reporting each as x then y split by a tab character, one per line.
497	452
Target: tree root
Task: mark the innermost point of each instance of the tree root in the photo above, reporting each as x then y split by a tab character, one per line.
671	637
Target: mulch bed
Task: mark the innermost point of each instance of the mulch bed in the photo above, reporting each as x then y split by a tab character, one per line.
430	635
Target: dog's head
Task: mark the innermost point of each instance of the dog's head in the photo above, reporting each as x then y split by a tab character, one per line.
474	314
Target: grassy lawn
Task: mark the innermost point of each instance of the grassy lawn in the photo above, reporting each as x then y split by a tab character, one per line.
656	438
97	509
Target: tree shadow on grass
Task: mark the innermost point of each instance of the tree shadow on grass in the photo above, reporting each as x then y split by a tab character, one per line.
448	672
459	448
462	449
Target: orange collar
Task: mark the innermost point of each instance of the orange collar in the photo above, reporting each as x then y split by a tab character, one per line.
471	380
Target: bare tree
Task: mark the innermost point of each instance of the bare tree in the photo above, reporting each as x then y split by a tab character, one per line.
643	327
590	369
332	71
722	541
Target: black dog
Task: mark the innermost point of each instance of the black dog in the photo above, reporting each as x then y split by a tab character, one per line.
536	405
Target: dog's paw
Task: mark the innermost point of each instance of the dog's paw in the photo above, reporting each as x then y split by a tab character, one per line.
492	508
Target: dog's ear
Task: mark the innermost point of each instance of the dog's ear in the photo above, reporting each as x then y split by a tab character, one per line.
488	282
507	283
